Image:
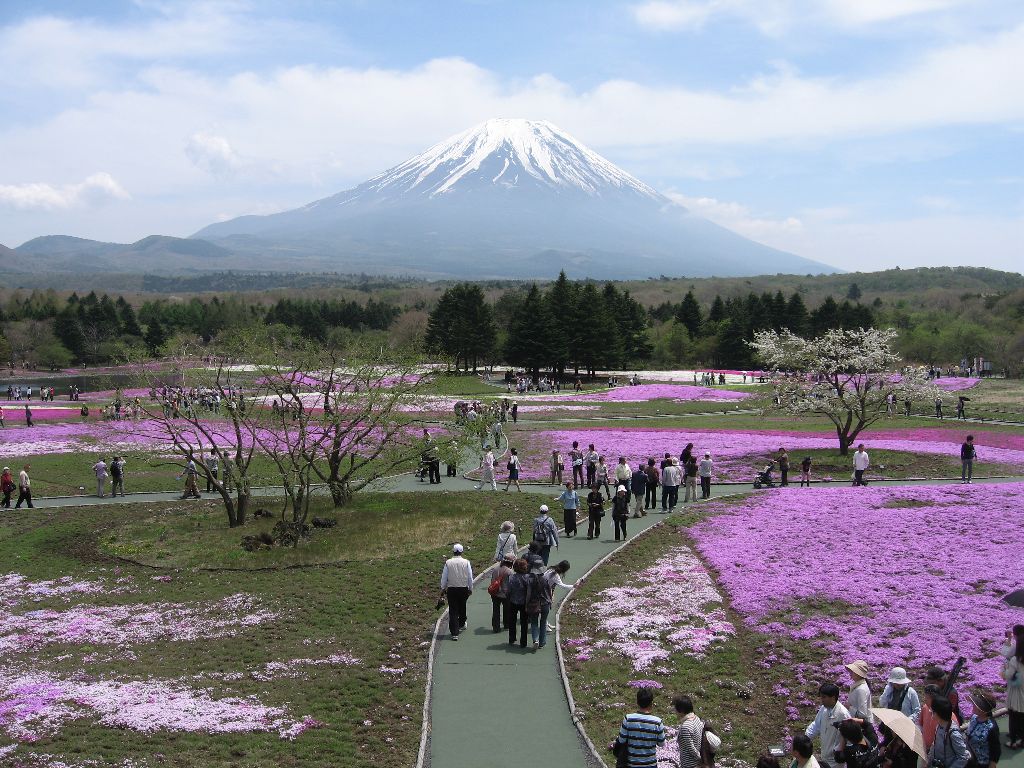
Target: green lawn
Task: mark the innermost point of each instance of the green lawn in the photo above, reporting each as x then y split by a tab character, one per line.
376	603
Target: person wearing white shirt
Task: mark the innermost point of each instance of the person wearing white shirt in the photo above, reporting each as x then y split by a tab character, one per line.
623	473
24	487
826	723
457	586
860	464
100	468
859	699
507	543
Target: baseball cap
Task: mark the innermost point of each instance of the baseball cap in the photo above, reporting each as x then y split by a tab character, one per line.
543	507
457	549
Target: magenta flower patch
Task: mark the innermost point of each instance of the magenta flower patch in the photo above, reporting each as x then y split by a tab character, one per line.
914	575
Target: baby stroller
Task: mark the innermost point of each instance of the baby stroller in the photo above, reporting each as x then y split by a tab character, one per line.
763	478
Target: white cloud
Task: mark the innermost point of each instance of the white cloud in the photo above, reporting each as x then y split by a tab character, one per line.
737	217
97	189
212	153
778	16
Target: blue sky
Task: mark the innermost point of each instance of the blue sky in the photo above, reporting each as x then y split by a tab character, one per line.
862	133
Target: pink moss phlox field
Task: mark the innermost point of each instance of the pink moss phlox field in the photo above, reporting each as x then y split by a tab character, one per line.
644	392
125	624
735	454
955	384
15	588
667	608
35	704
909	586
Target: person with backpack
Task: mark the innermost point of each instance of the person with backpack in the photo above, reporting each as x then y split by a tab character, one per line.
620	511
570	507
513	470
638	485
576	461
805	472
696	742
541	597
498	590
545	533
507	543
690	471
595	511
117	476
640	734
653	481
900	695
518	586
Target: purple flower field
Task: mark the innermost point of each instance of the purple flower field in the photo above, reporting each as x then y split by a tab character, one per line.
644	392
913	575
735	453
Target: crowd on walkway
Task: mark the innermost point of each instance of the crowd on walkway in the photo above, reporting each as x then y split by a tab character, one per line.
521	587
901	729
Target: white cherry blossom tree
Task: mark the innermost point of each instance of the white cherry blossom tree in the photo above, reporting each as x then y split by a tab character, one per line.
844	375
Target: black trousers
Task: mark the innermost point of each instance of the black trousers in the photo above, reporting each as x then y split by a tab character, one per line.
25	494
785	476
1016	725
593	525
591	473
457	599
858	477
705	487
569	518
620	525
518	613
435	471
577	476
651	502
7	499
499	612
451	470
209	480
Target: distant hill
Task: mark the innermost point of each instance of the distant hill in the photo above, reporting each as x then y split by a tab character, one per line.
156	254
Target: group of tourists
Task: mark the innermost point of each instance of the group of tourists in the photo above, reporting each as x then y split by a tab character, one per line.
853	733
23	486
521	586
114	471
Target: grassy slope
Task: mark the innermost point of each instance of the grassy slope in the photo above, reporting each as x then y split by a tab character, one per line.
382	604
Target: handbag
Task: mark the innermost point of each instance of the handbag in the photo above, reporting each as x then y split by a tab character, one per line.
621	751
495	585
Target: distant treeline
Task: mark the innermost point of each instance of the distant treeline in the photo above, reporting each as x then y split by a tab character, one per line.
580	327
43	330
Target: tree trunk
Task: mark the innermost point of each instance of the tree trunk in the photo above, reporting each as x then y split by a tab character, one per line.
844	442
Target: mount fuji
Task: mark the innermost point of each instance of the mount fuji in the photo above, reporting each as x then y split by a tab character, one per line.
505	199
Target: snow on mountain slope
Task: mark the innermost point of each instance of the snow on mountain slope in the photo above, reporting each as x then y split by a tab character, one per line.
506	153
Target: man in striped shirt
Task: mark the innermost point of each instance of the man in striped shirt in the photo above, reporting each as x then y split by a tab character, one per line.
641	732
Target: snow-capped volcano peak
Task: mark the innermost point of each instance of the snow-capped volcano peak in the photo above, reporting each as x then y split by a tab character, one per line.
509	153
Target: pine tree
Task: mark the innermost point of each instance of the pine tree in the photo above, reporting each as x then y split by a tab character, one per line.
796	314
155	336
690	314
717	313
531	334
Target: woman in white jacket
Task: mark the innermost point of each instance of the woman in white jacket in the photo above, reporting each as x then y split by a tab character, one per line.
1013	673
